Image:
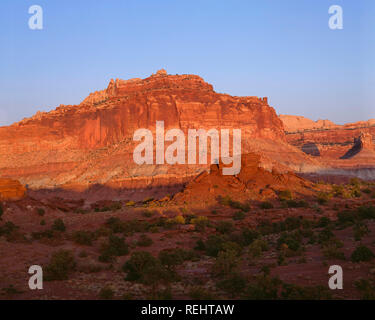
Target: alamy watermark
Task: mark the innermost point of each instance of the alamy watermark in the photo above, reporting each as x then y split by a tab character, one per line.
336	20
175	153
36	20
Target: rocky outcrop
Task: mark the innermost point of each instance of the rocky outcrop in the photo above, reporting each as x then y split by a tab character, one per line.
11	190
92	143
362	144
324	138
253	182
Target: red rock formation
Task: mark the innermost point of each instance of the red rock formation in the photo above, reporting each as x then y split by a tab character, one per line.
332	141
253	182
93	142
11	190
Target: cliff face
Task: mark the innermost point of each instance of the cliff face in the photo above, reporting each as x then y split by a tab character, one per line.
11	190
92	142
349	146
324	138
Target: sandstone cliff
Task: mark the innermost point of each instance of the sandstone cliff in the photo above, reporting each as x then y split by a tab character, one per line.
92	143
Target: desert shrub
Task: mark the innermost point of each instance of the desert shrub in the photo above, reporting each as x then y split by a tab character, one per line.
234	284
225	263
291	239
360	229
135	226
248	236
61	264
366	190
325	235
170	258
147	213
114	247
323	222
224	227
7	228
366	212
296	203
1	211
58	225
295	292
263	288
346	218
179	219
200	293
292	223
256	248
285	195
200	223
106	293
130	204
227	201
355	182
83	237
144	241
47	234
115	225
42	222
323	198
161	294
213	245
144	268
366	288
338	190
239	215
356	193
331	250
362	253
266	205
41	212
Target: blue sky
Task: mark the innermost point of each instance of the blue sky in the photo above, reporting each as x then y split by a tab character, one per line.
280	49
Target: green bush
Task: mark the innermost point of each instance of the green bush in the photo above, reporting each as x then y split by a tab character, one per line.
234	284
115	225
239	215
106	293
144	268
41	212
362	253
291	239
83	237
58	225
144	241
170	258
266	205
227	201
62	263
225	263
263	288
248	236
296	204
285	195
224	227
295	292
360	230
200	293
366	288
115	247
1	211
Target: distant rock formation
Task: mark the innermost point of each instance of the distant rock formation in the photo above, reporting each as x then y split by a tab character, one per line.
330	141
361	144
11	190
